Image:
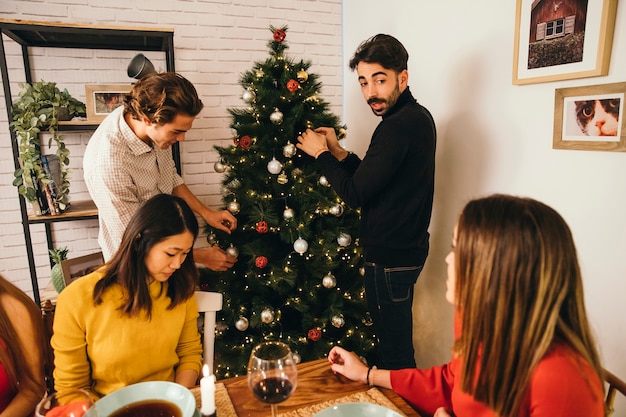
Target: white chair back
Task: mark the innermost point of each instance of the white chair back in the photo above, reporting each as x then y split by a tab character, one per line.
209	303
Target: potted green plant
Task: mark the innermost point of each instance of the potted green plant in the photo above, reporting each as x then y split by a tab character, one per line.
38	109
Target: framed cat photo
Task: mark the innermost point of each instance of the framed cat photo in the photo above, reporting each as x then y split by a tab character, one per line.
590	118
562	39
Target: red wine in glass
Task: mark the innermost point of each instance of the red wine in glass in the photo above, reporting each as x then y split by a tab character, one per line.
272	373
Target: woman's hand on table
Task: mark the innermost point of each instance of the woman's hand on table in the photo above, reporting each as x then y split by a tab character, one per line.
347	364
350	365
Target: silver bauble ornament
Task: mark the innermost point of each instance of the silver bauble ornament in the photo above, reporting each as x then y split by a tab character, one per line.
344	239
274	166
336	210
302	76
289	150
324	181
232	251
242	324
219	166
276	117
288	213
267	316
300	245
233	207
329	281
248	96
338	321
211	239
296	357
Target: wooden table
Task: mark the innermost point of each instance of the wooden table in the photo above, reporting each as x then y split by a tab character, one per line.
316	384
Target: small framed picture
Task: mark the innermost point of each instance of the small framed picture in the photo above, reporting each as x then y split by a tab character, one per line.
562	39
77	267
102	99
590	118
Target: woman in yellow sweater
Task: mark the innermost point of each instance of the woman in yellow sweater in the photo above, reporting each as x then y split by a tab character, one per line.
134	319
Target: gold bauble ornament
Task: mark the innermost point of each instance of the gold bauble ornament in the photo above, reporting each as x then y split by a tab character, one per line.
302	76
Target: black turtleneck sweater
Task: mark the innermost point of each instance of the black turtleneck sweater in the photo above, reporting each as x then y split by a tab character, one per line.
393	184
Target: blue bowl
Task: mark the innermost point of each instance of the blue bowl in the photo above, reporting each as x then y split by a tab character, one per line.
142	391
357	409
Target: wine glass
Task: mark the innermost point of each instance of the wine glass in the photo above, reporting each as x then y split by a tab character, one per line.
67	403
272	373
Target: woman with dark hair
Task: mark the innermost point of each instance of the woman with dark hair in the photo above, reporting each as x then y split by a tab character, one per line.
523	345
22	352
134	319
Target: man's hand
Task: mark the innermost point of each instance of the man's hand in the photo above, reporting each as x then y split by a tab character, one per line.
222	220
312	143
214	258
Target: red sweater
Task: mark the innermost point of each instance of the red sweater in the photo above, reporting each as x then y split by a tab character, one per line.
562	385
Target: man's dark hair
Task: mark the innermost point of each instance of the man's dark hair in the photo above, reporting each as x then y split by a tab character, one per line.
381	49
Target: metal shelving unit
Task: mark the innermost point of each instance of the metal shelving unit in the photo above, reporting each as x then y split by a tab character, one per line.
63	35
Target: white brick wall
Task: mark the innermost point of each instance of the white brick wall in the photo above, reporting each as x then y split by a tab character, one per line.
215	41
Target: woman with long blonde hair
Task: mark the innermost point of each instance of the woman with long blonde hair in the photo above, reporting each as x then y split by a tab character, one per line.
523	345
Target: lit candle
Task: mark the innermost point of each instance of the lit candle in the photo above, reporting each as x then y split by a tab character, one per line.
207	392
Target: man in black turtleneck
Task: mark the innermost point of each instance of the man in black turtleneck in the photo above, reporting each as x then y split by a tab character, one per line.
393	185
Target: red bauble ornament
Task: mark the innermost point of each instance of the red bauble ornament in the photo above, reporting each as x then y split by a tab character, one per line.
293	85
245	142
262	227
279	35
315	334
260	262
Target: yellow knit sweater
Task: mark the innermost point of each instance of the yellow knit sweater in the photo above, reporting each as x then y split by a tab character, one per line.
97	348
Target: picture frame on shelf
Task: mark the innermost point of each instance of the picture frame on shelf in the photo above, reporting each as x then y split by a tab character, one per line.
562	39
75	268
102	99
590	118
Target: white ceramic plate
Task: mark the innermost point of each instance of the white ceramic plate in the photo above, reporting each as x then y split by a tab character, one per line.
153	390
357	409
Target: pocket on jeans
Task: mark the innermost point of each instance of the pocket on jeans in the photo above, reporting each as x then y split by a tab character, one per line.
400	281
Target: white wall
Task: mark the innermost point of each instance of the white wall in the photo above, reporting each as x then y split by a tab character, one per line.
215	41
497	137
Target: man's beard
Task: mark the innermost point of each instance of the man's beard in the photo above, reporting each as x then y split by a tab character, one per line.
390	101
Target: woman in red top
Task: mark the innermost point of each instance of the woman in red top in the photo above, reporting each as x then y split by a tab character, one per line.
22	355
523	344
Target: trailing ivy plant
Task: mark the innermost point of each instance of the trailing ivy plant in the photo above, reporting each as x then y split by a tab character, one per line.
37	110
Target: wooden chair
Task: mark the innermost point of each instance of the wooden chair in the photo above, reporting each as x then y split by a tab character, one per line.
209	303
615	385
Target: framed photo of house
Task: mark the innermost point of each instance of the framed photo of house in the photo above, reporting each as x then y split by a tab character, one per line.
102	99
77	267
590	118
562	39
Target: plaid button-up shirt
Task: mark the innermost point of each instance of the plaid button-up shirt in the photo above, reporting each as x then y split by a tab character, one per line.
121	172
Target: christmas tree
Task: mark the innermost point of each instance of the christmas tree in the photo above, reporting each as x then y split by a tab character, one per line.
298	278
